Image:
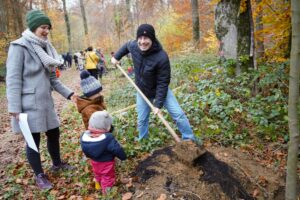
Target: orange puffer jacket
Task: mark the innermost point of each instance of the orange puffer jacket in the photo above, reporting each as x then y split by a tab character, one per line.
87	107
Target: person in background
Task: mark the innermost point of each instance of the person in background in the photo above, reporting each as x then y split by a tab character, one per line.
69	59
152	75
112	54
91	60
75	57
101	65
101	147
31	66
80	61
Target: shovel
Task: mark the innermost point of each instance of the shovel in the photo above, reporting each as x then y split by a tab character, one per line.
185	150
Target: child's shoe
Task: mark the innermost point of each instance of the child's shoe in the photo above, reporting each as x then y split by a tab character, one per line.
97	185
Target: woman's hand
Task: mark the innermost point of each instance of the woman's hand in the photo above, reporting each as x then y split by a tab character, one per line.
74	98
15	115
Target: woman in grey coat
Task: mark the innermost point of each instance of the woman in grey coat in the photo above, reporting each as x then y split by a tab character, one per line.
30	80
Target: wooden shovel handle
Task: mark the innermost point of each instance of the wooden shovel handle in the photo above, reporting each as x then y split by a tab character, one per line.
172	132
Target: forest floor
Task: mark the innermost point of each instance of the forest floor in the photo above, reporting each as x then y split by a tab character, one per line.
221	173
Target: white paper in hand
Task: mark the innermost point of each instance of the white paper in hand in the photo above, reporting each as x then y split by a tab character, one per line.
26	131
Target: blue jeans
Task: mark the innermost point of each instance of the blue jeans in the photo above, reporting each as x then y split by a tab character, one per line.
171	104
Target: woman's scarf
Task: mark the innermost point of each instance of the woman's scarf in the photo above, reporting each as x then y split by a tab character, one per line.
44	50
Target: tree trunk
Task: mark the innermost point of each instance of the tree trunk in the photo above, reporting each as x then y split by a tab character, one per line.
67	25
129	18
118	24
85	25
45	6
226	27
195	20
30	5
291	177
260	48
252	49
244	60
18	19
3	17
253	63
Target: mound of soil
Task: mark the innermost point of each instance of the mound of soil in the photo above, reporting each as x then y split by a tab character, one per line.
221	174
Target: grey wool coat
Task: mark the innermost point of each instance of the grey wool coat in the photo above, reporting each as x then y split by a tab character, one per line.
29	88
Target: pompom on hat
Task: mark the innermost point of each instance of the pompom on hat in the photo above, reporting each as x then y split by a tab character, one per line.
146	30
100	120
36	18
89	84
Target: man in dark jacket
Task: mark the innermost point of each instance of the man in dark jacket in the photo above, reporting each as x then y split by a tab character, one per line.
152	75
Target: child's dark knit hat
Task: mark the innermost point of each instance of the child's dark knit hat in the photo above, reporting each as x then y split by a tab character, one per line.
146	30
36	18
89	84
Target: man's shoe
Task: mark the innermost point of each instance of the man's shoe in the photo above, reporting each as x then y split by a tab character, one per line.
42	182
61	166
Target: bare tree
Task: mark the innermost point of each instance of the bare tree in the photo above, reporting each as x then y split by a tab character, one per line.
118	23
260	48
195	20
244	59
291	177
85	25
17	10
3	17
67	25
129	17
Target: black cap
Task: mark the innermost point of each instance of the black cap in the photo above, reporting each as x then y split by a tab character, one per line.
146	30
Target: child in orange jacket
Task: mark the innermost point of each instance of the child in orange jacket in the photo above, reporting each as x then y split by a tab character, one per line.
92	100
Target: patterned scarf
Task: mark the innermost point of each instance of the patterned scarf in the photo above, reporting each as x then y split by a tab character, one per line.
44	50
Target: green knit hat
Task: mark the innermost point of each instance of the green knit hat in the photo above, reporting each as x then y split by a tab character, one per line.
36	18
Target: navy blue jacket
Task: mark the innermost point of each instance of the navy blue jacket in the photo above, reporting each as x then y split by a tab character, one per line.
152	70
103	148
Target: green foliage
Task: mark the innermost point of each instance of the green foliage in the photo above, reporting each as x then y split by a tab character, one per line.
121	96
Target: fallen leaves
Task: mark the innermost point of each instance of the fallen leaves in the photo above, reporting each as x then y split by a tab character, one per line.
127	196
162	197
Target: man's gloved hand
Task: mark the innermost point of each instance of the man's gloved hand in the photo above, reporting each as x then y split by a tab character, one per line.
114	61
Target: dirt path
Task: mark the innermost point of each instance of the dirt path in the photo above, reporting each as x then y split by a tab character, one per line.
12	145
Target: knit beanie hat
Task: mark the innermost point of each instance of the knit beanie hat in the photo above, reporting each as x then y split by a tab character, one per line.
36	18
146	30
100	120
89	84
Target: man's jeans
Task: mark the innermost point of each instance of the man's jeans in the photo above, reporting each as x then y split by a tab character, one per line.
171	104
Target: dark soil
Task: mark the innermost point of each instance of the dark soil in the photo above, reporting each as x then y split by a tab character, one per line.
221	173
